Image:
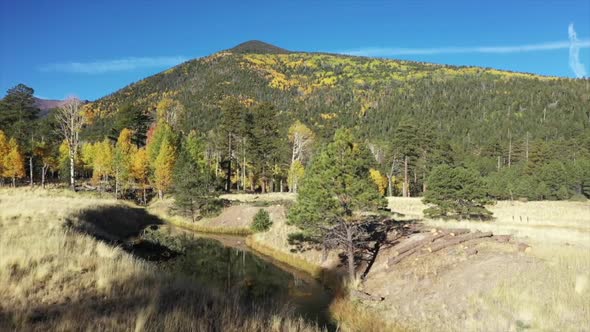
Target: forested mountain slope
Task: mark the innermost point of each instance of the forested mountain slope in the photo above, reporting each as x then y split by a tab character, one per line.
481	117
327	91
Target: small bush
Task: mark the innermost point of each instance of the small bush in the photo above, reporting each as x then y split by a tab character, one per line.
578	198
261	221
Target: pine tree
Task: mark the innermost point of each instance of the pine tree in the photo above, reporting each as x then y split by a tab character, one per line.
456	191
194	188
337	186
264	141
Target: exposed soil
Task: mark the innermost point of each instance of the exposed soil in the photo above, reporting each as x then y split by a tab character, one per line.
440	286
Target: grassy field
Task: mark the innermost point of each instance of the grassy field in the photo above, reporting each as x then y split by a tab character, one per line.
543	222
55	278
544	289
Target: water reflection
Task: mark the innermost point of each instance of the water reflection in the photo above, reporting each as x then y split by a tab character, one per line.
231	269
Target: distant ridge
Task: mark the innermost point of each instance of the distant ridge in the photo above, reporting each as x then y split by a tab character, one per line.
258	47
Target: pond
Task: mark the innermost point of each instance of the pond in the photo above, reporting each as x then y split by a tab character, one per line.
228	267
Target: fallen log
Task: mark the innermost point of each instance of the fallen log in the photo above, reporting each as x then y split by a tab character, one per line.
417	244
365	296
411	248
456	231
457	240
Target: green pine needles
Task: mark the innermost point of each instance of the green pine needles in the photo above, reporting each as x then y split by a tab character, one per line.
456	192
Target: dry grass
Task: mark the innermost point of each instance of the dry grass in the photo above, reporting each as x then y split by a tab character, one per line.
554	222
356	317
549	292
52	278
237	226
553	295
269	197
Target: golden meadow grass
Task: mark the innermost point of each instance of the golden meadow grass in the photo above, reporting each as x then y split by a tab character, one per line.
52	278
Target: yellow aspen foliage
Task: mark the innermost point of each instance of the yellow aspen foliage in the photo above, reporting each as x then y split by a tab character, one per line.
14	163
103	161
87	155
140	166
64	156
164	167
380	180
4	149
296	173
140	169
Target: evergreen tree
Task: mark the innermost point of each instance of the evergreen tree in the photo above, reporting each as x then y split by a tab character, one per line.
264	142
17	112
335	189
457	192
194	187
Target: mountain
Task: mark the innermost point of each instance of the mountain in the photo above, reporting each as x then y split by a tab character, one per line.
257	47
472	108
46	105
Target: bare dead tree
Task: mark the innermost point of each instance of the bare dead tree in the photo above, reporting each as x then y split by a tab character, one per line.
70	120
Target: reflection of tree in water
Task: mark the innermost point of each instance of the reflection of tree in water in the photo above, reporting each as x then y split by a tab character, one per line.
229	269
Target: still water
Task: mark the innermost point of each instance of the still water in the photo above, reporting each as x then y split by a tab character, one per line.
228	267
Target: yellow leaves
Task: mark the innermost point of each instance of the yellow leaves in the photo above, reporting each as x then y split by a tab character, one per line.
140	166
164	166
13	162
102	166
4	149
296	173
328	116
380	180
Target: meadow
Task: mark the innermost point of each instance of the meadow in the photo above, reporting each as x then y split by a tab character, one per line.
54	277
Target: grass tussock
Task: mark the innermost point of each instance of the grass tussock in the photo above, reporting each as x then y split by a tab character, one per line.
53	277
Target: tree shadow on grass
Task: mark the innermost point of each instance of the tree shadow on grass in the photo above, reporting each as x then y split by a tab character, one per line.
122	226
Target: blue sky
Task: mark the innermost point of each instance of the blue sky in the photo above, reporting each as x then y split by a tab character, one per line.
92	48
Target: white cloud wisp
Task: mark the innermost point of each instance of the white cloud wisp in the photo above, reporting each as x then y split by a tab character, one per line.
116	65
577	66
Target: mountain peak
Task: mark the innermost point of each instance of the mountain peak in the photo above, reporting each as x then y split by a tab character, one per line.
257	46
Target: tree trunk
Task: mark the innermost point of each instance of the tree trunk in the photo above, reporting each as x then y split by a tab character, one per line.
117	184
13	182
406	187
350	253
160	194
43	173
144	200
72	180
228	180
31	170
